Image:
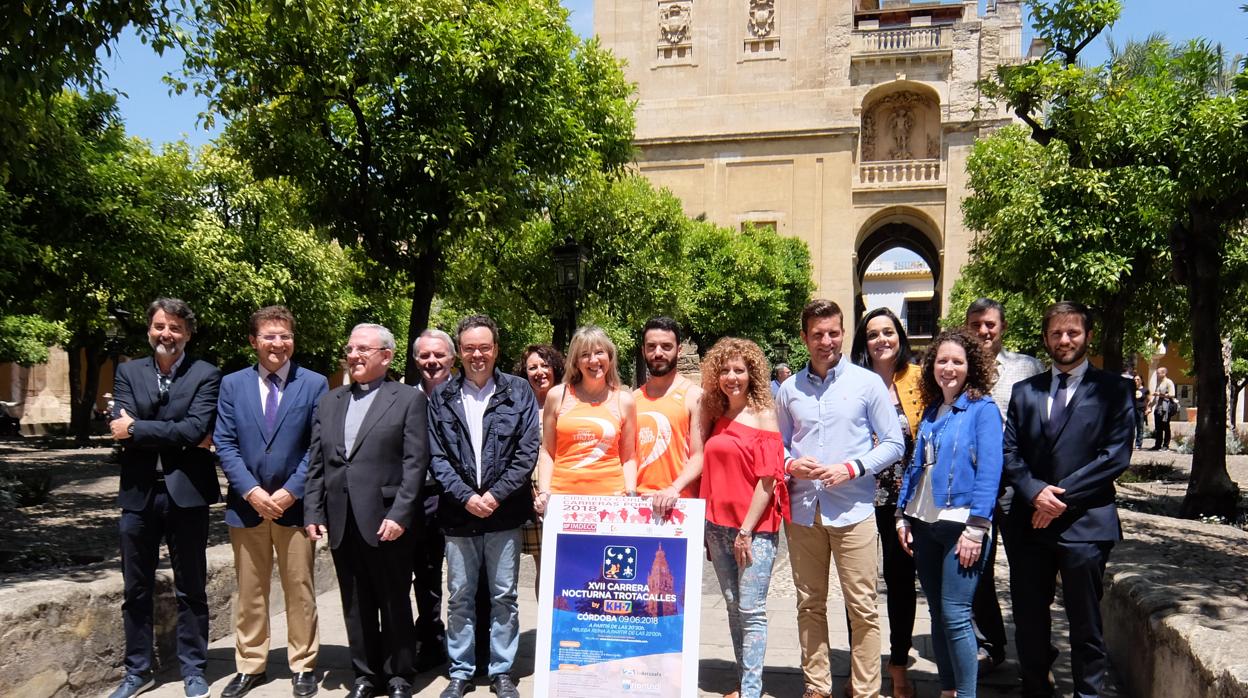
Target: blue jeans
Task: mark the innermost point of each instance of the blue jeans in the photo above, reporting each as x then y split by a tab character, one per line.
745	594
499	552
950	589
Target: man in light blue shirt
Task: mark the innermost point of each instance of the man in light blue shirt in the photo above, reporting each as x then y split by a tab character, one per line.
840	428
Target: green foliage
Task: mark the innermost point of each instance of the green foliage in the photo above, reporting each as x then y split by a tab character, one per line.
1047	231
24	339
750	284
412	125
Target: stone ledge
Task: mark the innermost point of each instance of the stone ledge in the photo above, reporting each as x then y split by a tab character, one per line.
1176	608
61	633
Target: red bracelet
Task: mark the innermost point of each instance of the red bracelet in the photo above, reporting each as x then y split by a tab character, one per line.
849	467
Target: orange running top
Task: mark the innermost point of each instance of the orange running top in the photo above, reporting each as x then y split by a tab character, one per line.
587	446
663	438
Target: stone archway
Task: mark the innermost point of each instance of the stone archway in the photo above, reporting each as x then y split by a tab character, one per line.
906	235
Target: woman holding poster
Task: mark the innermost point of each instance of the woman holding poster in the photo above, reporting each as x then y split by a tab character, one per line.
743	468
588	426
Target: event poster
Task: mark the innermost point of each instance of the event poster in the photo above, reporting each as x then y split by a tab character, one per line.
620	599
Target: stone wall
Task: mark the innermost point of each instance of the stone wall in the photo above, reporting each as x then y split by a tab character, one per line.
1176	608
61	633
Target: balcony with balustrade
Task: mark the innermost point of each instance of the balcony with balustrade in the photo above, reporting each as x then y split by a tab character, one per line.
888	44
900	174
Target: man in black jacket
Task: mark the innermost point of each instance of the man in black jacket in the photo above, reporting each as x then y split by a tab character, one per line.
166	407
484	443
366	467
1068	437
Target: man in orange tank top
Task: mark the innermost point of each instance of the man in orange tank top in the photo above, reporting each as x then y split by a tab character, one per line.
669	447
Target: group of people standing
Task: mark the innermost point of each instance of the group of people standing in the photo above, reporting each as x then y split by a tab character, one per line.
454	474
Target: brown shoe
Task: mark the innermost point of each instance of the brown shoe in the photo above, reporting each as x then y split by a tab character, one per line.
812	693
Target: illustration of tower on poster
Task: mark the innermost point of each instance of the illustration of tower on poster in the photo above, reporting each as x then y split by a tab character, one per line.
661	586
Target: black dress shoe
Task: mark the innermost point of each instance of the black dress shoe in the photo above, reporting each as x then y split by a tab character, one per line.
304	684
362	689
504	686
454	689
241	684
401	691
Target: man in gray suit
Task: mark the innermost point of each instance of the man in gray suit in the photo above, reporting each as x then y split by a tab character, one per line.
365	471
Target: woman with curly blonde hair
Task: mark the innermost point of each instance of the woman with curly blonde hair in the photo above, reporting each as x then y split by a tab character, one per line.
743	467
944	509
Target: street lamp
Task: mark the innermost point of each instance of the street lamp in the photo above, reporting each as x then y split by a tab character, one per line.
781	351
570	260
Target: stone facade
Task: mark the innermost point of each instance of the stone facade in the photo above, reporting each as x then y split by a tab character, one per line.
840	122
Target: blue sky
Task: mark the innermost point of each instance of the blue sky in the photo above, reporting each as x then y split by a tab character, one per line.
152	113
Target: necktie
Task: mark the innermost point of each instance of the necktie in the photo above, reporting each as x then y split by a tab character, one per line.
1057	413
270	403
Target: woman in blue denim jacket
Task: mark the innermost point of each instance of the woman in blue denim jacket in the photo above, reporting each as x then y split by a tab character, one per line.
944	511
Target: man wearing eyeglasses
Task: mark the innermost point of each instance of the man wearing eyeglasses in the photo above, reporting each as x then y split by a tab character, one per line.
366	469
166	405
264	429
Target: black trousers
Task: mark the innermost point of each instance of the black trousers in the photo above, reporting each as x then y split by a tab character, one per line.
985	608
185	531
374	583
899	578
428	555
1035	563
1161	435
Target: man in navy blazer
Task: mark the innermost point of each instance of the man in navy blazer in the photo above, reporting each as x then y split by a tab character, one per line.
1067	438
264	429
166	404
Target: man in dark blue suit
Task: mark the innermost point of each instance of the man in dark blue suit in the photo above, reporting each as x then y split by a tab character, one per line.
264	428
1067	438
166	404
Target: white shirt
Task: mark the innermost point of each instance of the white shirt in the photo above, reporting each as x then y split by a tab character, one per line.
263	379
1072	383
475	400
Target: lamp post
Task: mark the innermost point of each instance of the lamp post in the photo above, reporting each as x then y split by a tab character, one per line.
780	350
570	260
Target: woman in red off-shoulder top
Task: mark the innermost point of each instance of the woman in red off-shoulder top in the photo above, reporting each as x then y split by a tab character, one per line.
743	467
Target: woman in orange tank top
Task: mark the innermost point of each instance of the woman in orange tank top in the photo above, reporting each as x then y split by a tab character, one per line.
589	426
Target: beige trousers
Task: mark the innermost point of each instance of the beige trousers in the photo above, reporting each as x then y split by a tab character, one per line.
254	550
854	549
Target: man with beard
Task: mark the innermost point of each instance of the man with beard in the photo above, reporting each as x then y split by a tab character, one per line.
669	447
986	318
366	470
1067	438
166	407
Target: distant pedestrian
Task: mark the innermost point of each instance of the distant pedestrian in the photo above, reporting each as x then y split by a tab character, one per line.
1165	407
1141	408
778	376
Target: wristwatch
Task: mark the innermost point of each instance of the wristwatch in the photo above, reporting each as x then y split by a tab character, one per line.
130	429
747	533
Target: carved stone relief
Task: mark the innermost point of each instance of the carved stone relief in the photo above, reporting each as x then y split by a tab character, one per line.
674	22
762	17
901	126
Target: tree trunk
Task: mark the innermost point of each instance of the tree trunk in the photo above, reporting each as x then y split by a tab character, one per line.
82	388
424	285
1113	327
1210	491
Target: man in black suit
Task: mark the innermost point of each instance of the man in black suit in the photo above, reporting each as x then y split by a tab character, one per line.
365	471
166	406
1067	438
